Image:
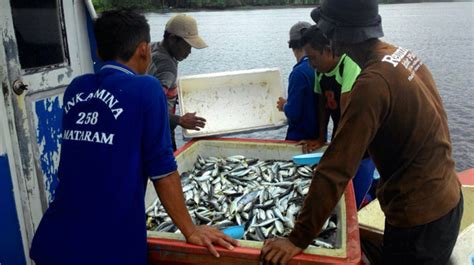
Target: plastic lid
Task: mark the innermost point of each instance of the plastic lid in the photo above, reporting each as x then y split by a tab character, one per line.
233	102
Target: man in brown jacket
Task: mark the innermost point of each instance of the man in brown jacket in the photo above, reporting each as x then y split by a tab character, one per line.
395	112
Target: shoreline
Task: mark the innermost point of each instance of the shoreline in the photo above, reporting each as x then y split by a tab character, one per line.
256	7
236	8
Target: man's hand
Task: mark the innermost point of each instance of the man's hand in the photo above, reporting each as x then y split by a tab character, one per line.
311	145
278	251
191	121
281	103
207	235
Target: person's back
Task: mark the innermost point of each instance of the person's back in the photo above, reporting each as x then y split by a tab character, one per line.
305	126
394	111
301	106
99	201
114	136
412	148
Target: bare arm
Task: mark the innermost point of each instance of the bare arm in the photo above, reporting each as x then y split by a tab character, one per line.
171	195
174	120
323	118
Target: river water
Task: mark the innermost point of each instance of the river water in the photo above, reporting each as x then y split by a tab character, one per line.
441	34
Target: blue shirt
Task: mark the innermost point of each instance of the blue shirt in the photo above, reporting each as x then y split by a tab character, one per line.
301	109
115	135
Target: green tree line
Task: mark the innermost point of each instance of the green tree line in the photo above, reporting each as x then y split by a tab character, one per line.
101	5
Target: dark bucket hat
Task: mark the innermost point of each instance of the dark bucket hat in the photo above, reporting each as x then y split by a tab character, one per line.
349	21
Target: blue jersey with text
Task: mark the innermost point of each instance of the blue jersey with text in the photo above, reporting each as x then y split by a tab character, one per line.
115	136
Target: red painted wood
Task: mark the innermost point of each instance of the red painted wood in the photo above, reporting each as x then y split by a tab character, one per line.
174	252
467	177
184	147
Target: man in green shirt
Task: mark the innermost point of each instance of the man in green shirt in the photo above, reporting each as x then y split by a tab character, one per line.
336	75
335	79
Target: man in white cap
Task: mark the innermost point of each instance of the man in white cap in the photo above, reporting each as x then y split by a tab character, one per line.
181	34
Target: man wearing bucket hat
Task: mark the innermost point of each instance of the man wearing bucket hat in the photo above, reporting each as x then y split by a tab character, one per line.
181	34
300	108
418	191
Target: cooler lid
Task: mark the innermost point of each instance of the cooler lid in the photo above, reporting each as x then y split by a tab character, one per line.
233	102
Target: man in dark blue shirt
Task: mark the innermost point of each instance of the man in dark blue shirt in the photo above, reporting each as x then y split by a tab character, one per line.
301	106
115	136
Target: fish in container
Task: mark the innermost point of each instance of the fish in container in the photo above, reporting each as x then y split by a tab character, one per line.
262	196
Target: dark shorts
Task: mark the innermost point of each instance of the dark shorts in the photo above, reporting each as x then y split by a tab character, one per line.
430	243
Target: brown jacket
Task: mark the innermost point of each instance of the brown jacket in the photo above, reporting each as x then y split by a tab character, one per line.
394	111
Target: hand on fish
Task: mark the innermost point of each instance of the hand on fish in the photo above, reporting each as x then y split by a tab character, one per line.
207	236
311	145
278	251
191	121
281	103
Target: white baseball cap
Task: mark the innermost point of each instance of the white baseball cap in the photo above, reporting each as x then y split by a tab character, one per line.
185	26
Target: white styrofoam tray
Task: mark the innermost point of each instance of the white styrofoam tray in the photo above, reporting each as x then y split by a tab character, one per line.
233	102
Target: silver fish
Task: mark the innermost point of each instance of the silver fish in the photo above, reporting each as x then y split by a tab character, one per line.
264	196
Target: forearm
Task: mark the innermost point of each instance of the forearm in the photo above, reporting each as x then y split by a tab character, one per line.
323	127
311	217
171	196
328	184
357	128
174	121
323	119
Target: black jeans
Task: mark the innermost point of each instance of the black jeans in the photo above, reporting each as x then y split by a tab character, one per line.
430	243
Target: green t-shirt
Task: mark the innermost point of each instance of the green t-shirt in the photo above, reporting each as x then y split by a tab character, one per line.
338	81
345	73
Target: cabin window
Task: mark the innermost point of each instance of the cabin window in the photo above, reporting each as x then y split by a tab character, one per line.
39	33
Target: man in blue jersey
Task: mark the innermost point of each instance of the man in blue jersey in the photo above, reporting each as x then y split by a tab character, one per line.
115	136
300	108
